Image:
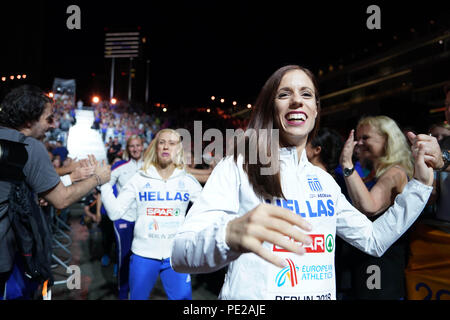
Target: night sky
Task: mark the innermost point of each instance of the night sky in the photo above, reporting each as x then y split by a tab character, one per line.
200	48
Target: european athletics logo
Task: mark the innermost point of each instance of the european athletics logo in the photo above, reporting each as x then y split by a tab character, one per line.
314	184
289	272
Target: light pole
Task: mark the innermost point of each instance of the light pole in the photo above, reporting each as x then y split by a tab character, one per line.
111	89
129	80
147	83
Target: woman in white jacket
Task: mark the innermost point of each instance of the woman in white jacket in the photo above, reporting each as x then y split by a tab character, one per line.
276	229
161	192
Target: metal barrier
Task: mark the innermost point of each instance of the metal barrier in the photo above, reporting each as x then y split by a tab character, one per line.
61	243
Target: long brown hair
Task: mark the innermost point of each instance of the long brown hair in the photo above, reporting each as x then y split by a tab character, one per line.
264	117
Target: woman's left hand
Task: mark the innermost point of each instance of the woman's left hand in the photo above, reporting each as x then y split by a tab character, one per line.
422	171
347	151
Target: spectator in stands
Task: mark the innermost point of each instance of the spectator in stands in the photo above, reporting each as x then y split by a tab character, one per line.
324	150
103	128
27	111
114	150
66	121
61	151
380	141
109	131
56	161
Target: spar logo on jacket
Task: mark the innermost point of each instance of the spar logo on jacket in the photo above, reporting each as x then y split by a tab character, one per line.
170	200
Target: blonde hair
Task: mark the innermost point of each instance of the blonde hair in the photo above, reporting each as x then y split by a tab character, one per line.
396	147
126	155
151	156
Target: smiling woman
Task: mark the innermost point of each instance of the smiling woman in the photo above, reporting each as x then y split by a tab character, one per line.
296	107
296	92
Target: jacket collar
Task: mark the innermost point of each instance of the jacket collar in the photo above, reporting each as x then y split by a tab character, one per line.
153	173
290	154
138	162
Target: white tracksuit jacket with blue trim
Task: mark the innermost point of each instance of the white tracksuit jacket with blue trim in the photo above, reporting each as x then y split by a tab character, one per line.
310	192
160	208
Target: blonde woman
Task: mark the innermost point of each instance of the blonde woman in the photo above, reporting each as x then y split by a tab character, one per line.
379	141
161	191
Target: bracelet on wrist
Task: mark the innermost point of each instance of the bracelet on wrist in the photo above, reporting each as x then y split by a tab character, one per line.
99	181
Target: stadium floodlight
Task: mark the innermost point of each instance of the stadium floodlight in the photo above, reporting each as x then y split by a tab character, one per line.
95	99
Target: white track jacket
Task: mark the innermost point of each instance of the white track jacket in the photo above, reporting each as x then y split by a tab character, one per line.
160	208
120	176
310	192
